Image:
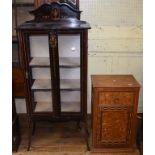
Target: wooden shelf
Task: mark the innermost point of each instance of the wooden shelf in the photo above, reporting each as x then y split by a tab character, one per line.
70	84
63	62
65	84
41	84
69	62
40	61
70	106
43	107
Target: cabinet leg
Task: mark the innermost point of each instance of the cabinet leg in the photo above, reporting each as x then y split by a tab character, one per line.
86	134
34	128
78	125
29	133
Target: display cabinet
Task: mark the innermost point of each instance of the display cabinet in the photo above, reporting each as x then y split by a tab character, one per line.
53	55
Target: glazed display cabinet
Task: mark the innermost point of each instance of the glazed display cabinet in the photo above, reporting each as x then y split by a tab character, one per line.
53	55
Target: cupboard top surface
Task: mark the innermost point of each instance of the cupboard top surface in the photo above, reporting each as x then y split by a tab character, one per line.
114	81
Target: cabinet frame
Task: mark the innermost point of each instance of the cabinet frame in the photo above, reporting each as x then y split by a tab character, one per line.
51	20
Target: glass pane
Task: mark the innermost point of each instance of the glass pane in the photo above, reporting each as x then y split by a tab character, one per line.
43	101
41	73
70	73
70	101
69	63
39	46
69	45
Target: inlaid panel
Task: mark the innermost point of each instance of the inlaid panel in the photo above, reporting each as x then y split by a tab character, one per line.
116	98
113	125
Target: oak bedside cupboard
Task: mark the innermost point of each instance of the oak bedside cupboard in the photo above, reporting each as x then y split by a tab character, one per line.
53	55
114	110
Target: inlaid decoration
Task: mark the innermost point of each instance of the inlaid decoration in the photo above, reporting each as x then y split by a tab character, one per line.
113	125
53	40
55	13
116	98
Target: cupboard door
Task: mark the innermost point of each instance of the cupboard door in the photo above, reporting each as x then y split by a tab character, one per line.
69	72
113	126
40	73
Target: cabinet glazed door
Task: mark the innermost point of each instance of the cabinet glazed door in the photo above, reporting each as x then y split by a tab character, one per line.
70	74
39	73
113	126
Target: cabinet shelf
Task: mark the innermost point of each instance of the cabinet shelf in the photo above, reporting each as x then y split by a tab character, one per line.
70	106
41	84
65	107
66	62
70	84
65	84
40	61
43	107
69	62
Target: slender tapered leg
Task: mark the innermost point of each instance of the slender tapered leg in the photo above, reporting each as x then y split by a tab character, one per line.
86	134
34	128
78	125
29	133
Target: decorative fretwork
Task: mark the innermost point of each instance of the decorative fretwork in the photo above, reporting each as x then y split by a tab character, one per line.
55	11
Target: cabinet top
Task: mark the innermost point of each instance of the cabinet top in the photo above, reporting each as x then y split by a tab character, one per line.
55	16
114	81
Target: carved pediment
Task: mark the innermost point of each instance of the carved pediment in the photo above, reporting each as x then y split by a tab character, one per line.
54	11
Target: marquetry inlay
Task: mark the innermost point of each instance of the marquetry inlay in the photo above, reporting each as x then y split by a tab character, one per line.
114	104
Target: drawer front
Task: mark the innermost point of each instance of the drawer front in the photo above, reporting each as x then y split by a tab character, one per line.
116	98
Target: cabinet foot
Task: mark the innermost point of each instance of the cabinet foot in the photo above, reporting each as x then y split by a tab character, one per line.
86	135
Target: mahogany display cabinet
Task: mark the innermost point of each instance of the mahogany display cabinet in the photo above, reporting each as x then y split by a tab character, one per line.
53	56
114	113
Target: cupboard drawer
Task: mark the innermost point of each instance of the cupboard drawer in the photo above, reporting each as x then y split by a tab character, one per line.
116	98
